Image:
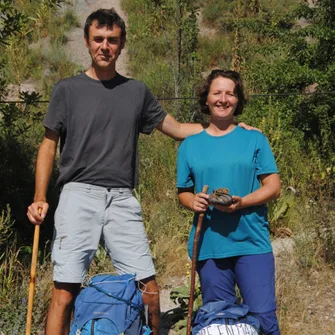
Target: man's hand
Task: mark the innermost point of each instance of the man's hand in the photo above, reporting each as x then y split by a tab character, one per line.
245	126
37	211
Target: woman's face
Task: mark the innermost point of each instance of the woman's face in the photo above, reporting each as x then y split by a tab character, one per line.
222	100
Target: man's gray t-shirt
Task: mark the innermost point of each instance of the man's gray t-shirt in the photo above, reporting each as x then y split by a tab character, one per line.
99	123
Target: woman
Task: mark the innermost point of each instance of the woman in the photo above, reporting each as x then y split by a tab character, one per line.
234	245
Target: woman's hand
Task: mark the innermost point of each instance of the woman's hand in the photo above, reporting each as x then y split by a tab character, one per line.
195	202
269	190
200	202
236	205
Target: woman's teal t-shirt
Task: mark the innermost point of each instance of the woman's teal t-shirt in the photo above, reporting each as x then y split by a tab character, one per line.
233	161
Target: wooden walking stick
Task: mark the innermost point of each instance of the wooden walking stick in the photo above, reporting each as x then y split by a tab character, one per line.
194	263
32	277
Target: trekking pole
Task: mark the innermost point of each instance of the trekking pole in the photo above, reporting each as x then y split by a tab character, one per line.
32	277
194	262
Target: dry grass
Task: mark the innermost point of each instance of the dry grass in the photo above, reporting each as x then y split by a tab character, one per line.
305	298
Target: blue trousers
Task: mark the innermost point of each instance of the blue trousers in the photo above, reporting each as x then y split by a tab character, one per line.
255	278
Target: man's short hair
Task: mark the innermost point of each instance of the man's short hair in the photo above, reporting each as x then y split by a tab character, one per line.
105	17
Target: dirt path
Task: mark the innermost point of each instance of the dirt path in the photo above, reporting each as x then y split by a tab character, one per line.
76	48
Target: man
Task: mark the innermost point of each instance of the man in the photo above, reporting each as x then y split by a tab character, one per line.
98	116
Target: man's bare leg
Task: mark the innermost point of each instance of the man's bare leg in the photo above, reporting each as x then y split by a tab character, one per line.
62	302
150	296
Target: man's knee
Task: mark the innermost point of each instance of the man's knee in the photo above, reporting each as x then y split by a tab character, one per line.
64	295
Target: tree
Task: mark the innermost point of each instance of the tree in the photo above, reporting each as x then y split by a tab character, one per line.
300	59
11	21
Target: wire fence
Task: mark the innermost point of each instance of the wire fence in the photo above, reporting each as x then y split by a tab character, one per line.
194	98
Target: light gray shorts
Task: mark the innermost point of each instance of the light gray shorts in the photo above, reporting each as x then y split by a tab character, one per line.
88	215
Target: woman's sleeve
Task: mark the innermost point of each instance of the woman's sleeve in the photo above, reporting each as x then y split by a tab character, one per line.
184	174
265	160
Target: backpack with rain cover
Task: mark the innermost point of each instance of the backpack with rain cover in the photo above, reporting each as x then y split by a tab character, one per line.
109	305
224	318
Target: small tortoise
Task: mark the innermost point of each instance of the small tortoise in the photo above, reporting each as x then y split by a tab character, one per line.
220	196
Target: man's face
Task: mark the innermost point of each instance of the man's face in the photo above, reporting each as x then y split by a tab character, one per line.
104	45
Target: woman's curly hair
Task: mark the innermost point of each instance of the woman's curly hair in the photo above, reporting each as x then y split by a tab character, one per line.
203	91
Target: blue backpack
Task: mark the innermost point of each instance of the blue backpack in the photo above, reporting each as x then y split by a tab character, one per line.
228	318
109	305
